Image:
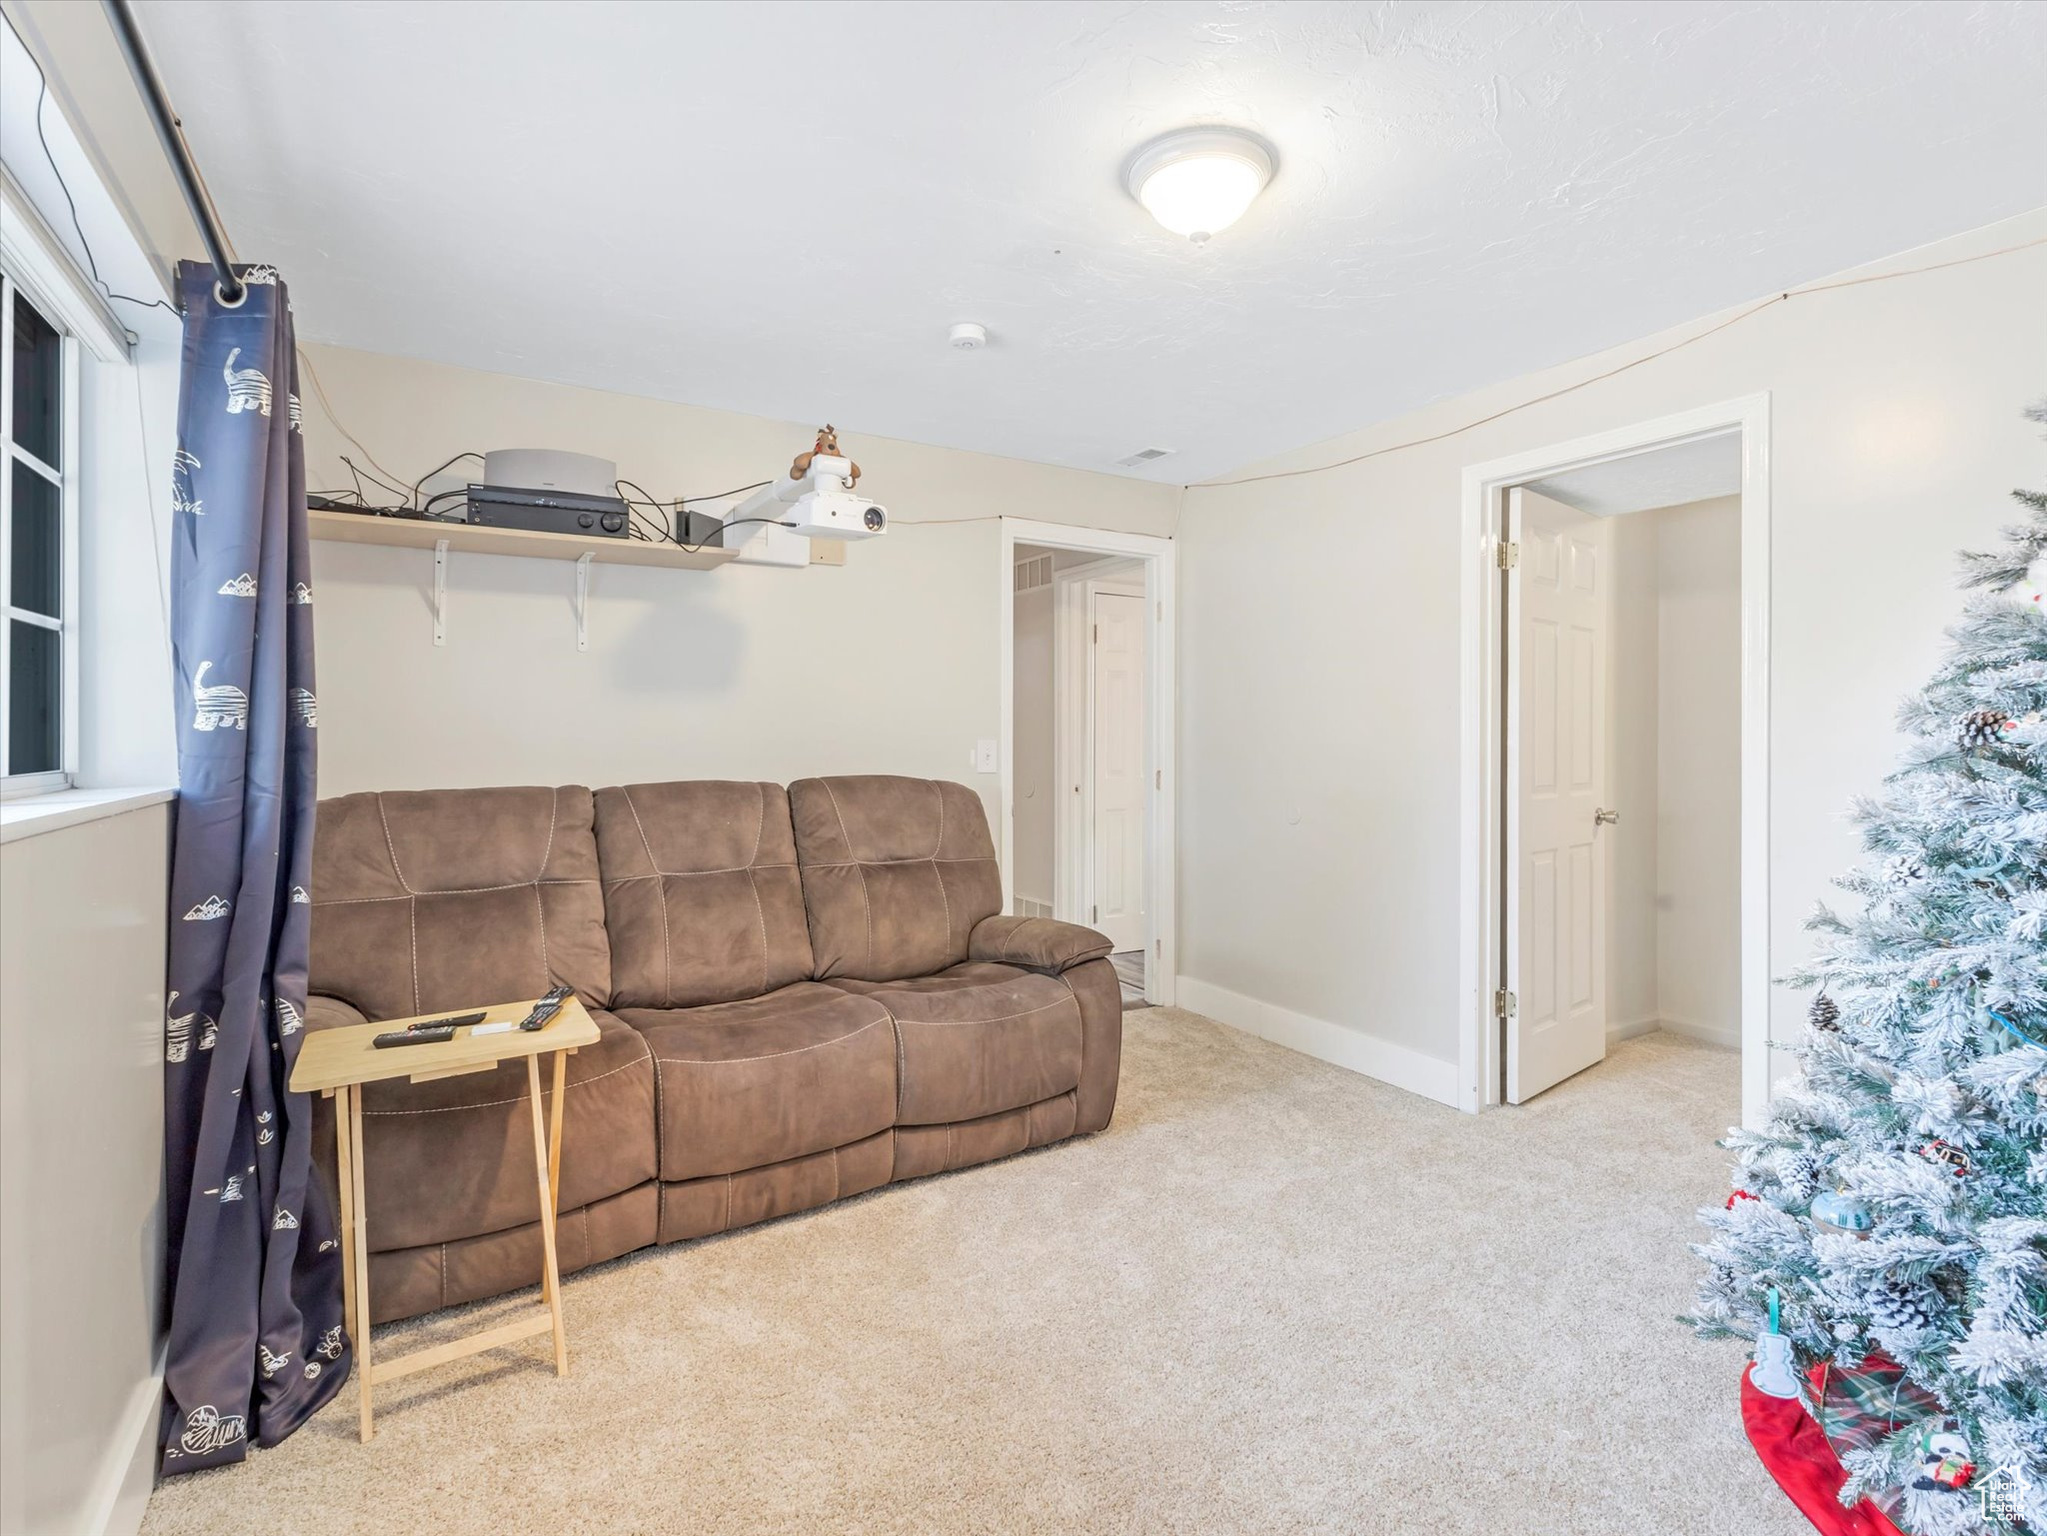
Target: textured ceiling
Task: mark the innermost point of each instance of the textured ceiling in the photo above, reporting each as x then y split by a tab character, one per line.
1663	477
779	208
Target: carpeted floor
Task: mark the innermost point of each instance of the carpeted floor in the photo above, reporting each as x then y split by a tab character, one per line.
1272	1297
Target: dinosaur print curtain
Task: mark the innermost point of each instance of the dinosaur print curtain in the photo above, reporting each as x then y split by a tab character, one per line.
256	1343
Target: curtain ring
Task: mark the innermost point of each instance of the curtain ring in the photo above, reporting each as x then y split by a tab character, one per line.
241	297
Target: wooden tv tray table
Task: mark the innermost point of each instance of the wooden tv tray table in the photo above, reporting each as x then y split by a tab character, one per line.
340	1061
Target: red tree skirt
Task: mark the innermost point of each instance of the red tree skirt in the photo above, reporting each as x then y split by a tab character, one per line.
1796	1454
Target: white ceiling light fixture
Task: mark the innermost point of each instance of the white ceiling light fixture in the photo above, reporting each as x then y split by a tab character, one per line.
1196	181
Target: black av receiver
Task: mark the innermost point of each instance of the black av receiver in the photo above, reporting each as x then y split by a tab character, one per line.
504	506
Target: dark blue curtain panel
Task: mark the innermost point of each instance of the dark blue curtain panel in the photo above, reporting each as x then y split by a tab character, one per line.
256	1340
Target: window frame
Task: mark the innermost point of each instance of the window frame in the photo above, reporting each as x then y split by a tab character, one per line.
66	478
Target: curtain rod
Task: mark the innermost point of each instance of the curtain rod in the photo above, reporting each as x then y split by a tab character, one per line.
171	131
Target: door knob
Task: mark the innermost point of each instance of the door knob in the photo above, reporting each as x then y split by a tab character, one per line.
1606	818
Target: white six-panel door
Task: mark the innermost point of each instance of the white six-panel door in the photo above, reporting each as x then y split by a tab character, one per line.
1556	788
1116	875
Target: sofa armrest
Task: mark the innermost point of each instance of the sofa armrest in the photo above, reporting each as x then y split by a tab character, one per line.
1036	943
331	1013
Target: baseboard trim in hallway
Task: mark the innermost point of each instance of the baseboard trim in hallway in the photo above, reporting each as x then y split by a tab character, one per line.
1429	1076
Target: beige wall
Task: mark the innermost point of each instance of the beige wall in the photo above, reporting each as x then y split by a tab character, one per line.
887	664
1675	931
81	1203
1632	741
1698	769
1320	626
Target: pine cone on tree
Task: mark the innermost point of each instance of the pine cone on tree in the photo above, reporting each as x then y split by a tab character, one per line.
1981	728
1824	1014
1898	1307
1800	1172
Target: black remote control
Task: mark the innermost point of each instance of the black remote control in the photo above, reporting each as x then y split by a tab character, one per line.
456	1019
548	1006
432	1034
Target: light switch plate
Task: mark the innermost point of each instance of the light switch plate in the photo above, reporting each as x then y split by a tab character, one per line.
984	759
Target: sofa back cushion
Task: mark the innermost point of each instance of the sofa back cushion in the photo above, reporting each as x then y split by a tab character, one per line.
453	898
896	872
700	892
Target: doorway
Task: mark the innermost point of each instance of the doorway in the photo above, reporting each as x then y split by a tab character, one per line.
1615	750
1087	661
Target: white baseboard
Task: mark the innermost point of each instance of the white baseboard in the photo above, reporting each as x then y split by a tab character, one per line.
127	1473
1727	1037
1429	1076
1618	1032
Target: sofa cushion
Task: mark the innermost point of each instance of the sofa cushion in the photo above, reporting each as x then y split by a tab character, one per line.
701	893
744	1084
454	898
896	873
453	1158
978	1039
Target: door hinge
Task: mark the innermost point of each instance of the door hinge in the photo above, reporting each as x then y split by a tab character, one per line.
1158	778
1506	555
1094	914
1504	1004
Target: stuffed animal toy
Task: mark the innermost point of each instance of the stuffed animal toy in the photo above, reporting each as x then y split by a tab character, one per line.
827	446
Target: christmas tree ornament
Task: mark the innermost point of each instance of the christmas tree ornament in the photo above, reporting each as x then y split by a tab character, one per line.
2027	1035
1981	727
1824	1014
1948	1156
1944	1458
1773	1375
1840	1213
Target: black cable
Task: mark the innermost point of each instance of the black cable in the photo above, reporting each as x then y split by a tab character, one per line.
427	510
422	480
42	94
666	527
376	479
718	495
668	533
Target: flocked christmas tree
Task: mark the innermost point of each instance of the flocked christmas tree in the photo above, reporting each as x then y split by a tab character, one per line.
1896	1199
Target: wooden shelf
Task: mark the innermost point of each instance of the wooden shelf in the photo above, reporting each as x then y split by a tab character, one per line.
354	528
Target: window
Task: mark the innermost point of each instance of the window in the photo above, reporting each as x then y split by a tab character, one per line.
38	548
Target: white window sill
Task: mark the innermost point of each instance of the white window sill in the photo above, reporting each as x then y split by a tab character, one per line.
37	814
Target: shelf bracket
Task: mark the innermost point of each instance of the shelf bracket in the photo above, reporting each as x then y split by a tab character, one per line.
583	598
440	591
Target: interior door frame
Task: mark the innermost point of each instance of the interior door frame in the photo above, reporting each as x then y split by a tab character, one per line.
1488	896
1161	670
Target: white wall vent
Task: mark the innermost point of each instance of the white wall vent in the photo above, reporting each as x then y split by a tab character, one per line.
1143	456
1033	573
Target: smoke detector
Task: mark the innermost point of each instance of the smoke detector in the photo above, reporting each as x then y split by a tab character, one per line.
968	337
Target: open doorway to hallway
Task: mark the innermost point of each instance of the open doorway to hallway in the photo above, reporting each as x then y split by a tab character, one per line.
1615	749
1628	757
1081	798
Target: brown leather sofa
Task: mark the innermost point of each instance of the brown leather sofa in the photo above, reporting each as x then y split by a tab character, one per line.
802	994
